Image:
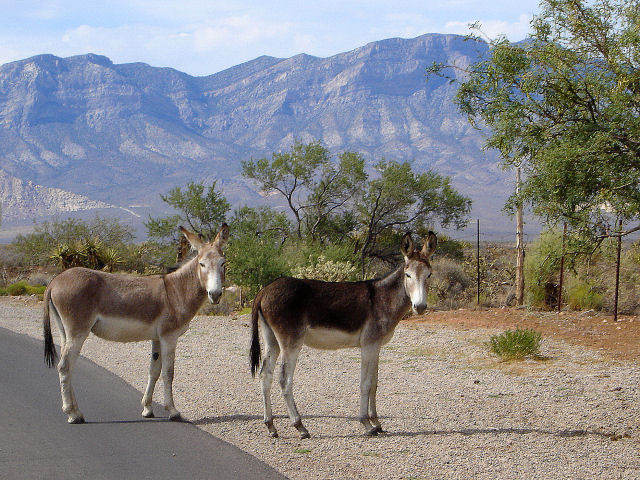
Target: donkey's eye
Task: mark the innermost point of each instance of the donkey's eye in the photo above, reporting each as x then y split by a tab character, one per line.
429	276
407	275
202	264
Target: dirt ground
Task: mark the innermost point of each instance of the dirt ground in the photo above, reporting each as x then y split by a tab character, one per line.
451	410
591	329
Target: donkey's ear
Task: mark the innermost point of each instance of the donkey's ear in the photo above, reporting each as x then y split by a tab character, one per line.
407	246
430	243
222	236
195	241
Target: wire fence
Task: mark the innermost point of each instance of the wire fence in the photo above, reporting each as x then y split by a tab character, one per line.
479	241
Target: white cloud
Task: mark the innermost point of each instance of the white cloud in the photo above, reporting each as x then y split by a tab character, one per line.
204	36
199	48
236	30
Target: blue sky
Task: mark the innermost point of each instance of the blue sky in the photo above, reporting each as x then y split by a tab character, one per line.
202	37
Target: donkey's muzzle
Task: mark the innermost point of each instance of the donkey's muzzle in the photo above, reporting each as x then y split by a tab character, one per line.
214	296
420	308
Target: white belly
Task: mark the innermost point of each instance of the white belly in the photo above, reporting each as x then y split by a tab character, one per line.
331	339
123	329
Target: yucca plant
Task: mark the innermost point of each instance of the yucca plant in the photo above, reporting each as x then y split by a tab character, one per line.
67	255
110	257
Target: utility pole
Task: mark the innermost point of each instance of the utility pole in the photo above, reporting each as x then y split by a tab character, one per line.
519	245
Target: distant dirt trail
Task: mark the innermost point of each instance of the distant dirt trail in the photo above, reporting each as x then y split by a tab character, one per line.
451	410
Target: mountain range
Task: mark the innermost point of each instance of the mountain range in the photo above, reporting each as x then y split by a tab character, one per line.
84	134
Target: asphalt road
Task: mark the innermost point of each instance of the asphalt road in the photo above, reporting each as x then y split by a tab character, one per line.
37	443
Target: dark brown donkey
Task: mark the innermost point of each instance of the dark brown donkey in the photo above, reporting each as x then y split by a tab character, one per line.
329	315
125	308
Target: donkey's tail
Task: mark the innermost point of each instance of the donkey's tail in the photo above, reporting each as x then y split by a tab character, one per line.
255	337
50	354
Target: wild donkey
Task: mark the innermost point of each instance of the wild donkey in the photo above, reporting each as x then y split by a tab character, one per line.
332	315
125	308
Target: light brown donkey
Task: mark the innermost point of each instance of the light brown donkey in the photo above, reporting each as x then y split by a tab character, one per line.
329	315
125	308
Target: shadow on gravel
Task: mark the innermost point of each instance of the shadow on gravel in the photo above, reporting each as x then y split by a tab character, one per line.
246	418
485	431
502	431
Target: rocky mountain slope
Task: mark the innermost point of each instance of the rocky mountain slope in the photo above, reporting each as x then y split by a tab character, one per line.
121	134
22	199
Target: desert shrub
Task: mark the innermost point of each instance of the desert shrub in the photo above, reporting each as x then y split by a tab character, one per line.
18	288
3	292
582	295
327	270
516	344
449	282
38	247
632	255
147	257
542	265
35	289
497	273
449	247
23	288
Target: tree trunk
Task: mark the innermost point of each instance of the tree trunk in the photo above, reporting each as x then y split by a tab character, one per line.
519	246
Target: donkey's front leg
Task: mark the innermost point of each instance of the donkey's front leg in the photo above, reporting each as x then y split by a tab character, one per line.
168	354
373	412
155	366
368	374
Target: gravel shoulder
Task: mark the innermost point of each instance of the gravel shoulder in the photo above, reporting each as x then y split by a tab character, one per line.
451	410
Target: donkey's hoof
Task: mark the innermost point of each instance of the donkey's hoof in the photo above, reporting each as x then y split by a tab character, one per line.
76	420
305	435
273	434
176	417
378	429
372	432
148	414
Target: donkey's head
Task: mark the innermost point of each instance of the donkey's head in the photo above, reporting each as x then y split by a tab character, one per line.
210	261
417	269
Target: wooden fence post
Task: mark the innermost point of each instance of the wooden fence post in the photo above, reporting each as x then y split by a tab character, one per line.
478	259
615	300
564	236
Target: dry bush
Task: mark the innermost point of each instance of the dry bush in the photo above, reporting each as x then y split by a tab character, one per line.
449	284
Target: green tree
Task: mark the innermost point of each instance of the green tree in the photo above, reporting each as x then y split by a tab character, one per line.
314	186
566	105
400	199
255	251
201	208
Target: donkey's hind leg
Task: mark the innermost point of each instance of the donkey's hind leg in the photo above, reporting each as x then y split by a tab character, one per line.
266	374
69	355
289	360
155	366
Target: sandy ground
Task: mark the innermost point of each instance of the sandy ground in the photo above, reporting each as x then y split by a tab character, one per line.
451	410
